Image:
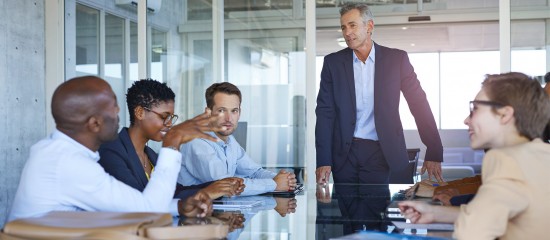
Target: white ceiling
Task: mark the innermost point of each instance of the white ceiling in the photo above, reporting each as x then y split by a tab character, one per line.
443	37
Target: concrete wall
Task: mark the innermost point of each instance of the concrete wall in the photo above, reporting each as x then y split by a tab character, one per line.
22	98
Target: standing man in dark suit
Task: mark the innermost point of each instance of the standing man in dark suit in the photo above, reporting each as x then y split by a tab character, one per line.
359	135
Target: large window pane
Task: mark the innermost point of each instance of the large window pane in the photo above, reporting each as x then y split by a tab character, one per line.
114	60
133	52
202	10
268	72
426	66
158	54
264	61
461	77
530	62
529	47
87	41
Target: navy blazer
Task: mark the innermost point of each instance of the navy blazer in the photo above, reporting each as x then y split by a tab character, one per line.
336	109
119	158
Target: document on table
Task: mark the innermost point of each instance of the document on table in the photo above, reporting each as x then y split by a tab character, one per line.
234	204
430	226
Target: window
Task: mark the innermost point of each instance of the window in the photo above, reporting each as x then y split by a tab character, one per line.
114	60
87	41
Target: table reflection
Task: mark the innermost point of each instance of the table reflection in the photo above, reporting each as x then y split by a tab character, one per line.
238	220
351	208
319	212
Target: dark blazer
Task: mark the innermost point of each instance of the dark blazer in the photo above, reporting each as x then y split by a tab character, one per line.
120	160
336	109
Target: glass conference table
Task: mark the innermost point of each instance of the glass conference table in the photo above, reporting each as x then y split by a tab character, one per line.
319	212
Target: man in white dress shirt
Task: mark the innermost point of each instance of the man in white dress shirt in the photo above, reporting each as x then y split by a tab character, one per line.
62	173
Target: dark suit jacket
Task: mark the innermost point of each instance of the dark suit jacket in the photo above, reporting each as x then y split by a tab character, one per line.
119	159
336	109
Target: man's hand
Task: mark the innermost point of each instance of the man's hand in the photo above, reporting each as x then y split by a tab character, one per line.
285	181
291	181
323	174
198	205
191	129
434	169
323	193
285	206
225	187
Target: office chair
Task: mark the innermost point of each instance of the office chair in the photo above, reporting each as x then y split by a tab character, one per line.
407	176
240	134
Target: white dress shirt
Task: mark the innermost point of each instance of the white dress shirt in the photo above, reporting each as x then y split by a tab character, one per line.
363	74
63	175
205	161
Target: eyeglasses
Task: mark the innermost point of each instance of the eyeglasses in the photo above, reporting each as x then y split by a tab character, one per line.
170	119
488	103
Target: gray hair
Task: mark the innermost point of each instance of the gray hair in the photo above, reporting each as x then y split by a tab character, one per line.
364	10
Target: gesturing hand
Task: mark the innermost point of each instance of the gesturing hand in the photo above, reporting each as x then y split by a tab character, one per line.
191	129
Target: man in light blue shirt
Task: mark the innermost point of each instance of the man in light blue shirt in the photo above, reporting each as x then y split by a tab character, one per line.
62	173
205	161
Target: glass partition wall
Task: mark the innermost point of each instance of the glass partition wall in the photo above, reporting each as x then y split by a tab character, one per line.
452	46
261	57
264	45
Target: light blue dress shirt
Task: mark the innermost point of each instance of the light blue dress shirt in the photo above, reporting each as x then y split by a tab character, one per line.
205	161
63	175
363	74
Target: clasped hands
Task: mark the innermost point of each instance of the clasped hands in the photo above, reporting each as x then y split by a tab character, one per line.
285	205
228	187
286	181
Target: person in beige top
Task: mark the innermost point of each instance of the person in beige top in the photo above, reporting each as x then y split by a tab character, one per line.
507	116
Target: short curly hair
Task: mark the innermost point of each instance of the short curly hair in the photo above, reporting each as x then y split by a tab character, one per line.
147	93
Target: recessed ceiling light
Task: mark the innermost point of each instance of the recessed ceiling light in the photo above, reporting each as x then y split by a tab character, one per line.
404	28
412	44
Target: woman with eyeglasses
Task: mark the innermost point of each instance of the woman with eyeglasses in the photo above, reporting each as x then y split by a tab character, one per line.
130	160
507	116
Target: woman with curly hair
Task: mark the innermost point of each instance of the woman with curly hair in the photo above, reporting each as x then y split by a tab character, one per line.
130	160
